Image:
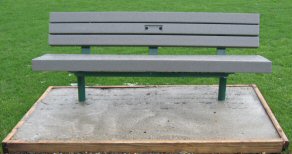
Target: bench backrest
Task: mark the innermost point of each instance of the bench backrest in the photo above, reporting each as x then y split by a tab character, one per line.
220	30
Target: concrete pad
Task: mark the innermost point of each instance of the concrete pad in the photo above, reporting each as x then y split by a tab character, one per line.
148	113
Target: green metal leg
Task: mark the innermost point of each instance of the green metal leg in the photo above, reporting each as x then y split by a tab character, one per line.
222	88
81	88
223	79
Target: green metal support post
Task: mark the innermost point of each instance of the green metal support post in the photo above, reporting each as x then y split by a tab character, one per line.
81	78
223	79
153	50
222	88
85	49
81	88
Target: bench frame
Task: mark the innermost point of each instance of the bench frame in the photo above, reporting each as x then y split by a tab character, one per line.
152	51
154	30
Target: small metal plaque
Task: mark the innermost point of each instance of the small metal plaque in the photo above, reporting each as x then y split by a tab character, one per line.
155	28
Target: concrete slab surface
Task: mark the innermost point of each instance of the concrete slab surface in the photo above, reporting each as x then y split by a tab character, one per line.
148	113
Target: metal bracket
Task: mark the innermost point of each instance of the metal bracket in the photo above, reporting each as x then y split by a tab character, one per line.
85	49
221	51
153	50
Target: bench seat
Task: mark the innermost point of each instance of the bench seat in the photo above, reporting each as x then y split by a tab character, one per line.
152	63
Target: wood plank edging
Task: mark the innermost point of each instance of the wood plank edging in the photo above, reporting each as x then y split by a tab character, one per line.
198	147
272	117
8	138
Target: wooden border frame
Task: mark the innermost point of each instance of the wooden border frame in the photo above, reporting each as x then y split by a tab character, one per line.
272	117
196	146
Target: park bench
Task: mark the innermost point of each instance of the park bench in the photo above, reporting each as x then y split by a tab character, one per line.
153	30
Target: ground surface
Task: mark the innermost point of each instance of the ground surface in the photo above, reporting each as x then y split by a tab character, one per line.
23	36
150	113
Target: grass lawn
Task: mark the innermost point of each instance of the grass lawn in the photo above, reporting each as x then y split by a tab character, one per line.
24	36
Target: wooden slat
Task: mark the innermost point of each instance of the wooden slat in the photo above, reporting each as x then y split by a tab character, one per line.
151	146
157	63
172	17
153	28
155	40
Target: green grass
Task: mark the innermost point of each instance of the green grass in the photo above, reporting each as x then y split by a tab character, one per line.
23	36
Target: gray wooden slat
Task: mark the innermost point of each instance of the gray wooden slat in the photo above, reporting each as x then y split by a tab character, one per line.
153	28
174	17
154	40
156	63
